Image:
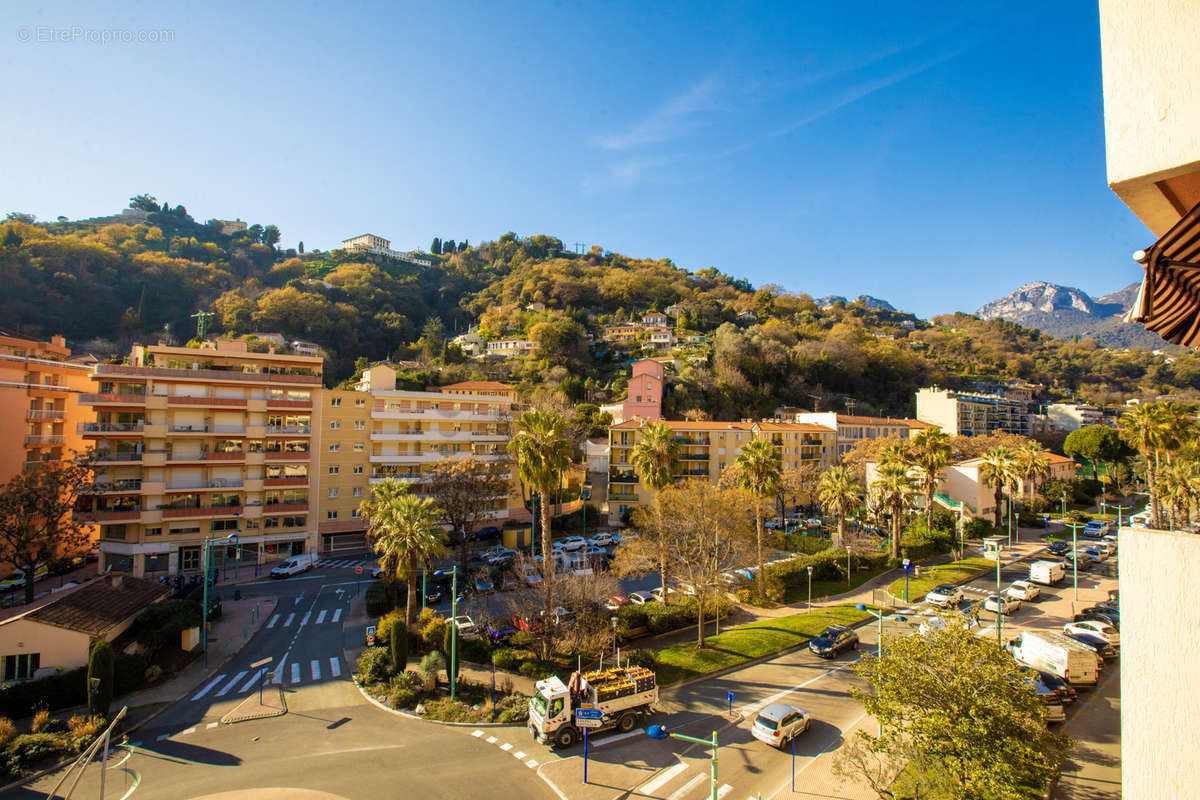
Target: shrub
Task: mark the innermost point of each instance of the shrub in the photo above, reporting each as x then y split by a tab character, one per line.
536	670
425	616
398	643
631	616
32	747
521	639
102	665
978	528
402	697
374	665
917	543
41	721
1077	516
161	624
434	632
642	657
154	673
513	708
83	730
743	596
504	659
477	650
7	731
432	664
377	599
66	689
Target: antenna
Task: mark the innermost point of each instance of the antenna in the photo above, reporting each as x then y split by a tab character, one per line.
579	248
201	318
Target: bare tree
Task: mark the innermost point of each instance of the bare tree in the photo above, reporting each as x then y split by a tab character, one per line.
464	490
36	521
659	535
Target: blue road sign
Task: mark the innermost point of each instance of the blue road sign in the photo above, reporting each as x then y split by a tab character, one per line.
589	713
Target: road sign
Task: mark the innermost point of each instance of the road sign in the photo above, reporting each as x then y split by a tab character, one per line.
588	713
233	538
587	723
358	570
261	663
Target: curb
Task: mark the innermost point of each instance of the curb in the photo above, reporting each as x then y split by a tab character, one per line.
419	718
229	719
966	580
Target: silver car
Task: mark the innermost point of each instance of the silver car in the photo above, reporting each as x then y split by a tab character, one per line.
779	723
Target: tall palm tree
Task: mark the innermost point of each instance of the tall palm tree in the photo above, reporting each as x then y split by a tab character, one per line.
997	469
1031	464
838	492
655	458
759	472
929	452
894	453
543	451
1144	429
894	489
403	530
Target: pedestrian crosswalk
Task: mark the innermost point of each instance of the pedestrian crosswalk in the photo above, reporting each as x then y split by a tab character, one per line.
682	782
287	620
230	685
345	563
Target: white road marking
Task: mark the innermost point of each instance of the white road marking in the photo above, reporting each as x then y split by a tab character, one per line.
191	729
287	623
252	682
335	667
491	740
477	733
506	747
619	737
274	619
724	790
518	755
336	615
316	670
531	763
662	780
277	675
225	689
321	617
687	787
304	621
209	687
295	672
752	708
212	725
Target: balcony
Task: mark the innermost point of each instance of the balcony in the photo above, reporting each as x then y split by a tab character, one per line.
286	508
200	511
290	455
392	436
108	427
44	414
111	399
107	516
215	484
693	457
300	429
622	496
236	430
376	477
112	457
280	403
49	387
293	481
624	477
125	485
693	473
116	370
697	441
43	440
218	402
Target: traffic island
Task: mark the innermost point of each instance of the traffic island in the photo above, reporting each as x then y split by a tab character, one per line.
260	705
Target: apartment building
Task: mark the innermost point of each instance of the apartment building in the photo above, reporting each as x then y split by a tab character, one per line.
1073	416
973	414
852	429
377	431
507	348
200	443
40	385
377	245
707	449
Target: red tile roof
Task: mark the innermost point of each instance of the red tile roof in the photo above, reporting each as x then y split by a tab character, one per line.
97	606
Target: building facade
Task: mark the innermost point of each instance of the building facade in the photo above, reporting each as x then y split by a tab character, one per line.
645	396
973	414
200	443
852	429
706	450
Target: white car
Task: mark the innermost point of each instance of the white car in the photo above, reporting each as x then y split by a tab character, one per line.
1104	548
465	625
601	540
658	593
294	565
1023	591
572	543
946	595
641	598
532	576
779	723
1001	604
1094	627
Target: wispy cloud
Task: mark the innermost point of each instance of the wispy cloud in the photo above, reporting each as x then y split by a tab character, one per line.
668	121
623	174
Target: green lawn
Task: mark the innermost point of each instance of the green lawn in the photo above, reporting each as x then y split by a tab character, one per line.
744	642
953	572
799	594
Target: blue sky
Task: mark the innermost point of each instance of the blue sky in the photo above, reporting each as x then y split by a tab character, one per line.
937	158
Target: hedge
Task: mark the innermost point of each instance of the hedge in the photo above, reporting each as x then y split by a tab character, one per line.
828	565
67	689
378	600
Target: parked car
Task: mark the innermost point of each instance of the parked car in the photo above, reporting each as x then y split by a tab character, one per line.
1097	645
465	625
1096	528
1055	712
641	598
1096	554
659	593
601	540
483	584
497	631
532	576
613	601
833	641
294	565
573	543
1065	691
945	595
591	551
685	588
1023	591
1107	616
1095	627
1002	604
501	557
1104	547
812	522
779	723
1059	548
490	532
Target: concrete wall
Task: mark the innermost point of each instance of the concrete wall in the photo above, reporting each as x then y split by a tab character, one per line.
1160	659
58	647
1151	66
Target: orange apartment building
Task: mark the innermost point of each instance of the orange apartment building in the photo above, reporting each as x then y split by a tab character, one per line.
40	384
198	443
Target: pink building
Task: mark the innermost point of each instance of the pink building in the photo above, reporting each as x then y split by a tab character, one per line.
645	391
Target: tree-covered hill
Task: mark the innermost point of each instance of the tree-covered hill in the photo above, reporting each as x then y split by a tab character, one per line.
139	277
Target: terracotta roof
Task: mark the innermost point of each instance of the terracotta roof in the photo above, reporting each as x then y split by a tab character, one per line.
859	420
97	606
793	426
494	386
767	425
1055	457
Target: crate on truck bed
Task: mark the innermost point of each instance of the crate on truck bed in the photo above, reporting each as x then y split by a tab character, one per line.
621	694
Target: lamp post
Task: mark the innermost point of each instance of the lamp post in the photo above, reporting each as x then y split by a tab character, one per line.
659	732
999	602
453	625
879	649
907	570
847	565
1064	503
1009	515
810	569
614	621
1119	510
205	559
1075	526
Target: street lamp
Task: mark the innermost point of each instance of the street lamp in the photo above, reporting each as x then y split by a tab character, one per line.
1064	503
205	559
999	601
907	570
1075	526
847	565
1119	510
810	569
879	650
659	732
453	625
1009	515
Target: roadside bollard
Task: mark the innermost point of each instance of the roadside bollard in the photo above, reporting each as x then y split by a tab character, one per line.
245	635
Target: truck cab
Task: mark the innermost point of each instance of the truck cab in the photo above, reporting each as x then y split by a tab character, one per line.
621	694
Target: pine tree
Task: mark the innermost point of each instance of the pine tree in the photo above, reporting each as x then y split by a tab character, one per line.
102	665
436	247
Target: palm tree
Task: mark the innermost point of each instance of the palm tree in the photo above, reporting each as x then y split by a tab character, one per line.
929	452
1030	463
543	452
894	490
656	459
838	492
403	530
759	472
894	453
997	469
1143	429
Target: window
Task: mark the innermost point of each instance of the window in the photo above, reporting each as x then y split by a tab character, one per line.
330	515
334	469
358	447
335	447
152	532
360	402
335	424
224	525
189	558
358	470
21	667
356	491
333	492
356	514
185	529
335	402
360	424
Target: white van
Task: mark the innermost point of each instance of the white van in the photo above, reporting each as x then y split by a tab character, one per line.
1046	573
1140	519
294	565
1057	654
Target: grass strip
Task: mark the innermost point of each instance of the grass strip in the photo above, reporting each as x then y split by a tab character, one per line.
954	572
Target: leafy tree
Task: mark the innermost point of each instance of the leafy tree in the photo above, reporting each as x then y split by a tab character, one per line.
759	471
543	453
449	247
402	528
36	521
464	490
271	236
102	665
963	713
144	202
398	645
436	246
1031	464
300	248
838	493
1144	429
20	216
1097	443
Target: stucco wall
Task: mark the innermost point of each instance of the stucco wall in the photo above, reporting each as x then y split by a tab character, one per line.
58	647
1160	659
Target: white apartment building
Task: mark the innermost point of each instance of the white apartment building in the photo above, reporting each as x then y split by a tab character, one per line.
377	245
852	429
1073	416
507	348
971	413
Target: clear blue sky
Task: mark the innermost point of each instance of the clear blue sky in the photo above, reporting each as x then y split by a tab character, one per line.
936	158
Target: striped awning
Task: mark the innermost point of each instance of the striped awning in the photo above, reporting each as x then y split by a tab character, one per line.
1169	301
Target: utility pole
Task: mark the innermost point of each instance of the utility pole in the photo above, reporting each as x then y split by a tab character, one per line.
201	318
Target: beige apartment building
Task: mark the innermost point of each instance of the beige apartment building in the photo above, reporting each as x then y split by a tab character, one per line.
973	413
195	444
854	428
707	449
1151	71
377	431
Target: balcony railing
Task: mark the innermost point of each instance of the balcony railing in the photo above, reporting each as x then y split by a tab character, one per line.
289	507
694	440
294	480
622	478
45	414
288	455
215	483
40	439
109	427
693	457
123	485
108	455
622	496
106	398
289	429
108	515
208	374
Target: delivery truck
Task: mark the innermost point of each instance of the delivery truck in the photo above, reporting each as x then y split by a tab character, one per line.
1057	654
1046	573
621	694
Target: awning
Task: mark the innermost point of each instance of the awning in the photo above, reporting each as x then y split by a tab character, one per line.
1168	302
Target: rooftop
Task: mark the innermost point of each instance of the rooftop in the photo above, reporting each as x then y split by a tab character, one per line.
477	386
98	605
